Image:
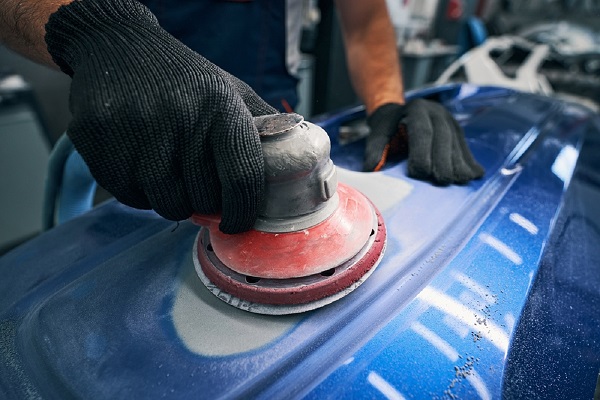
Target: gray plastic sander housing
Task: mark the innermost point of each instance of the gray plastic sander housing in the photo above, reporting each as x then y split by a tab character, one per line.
300	178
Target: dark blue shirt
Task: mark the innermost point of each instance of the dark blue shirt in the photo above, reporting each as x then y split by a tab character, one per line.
245	38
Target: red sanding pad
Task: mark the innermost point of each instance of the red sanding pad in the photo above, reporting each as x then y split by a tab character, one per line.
309	291
300	253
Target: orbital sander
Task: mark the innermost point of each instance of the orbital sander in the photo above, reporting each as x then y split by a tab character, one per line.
315	239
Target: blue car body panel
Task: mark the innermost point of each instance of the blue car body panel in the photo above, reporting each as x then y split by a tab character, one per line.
486	290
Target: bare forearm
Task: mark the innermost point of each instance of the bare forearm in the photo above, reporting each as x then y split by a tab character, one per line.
372	55
22	27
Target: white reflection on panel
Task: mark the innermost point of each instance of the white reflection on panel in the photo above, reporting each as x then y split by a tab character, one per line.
509	320
473	286
524	223
384	386
458	327
450	352
476	381
474	318
436	341
501	248
565	163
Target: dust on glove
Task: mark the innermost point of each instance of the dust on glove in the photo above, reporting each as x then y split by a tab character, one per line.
426	133
159	125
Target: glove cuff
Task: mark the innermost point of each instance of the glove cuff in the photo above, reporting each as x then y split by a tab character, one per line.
389	113
80	29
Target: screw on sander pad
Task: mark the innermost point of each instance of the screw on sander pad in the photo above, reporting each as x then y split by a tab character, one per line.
277	123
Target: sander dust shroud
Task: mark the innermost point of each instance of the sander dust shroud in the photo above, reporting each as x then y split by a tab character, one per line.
315	240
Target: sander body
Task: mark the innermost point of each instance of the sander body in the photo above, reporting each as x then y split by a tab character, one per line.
315	240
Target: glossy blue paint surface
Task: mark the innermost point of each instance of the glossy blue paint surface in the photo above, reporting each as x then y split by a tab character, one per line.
480	293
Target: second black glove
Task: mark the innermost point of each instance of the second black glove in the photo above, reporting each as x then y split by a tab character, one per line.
428	134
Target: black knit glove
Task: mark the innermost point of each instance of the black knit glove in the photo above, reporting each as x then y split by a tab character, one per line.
428	134
159	126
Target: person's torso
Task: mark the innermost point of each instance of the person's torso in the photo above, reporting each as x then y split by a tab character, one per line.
255	40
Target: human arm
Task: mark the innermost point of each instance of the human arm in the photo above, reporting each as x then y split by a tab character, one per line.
22	27
421	130
159	125
371	52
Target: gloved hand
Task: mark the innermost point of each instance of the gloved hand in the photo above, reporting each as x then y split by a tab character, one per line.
159	126
428	134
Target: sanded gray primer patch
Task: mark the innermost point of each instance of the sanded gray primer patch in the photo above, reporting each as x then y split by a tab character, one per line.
383	190
210	327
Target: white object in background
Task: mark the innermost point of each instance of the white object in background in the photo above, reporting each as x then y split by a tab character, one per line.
481	69
399	14
412	18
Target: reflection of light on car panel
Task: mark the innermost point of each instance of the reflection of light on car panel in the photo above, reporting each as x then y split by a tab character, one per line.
455	311
468	297
524	223
436	341
458	327
467	90
509	320
386	389
474	286
460	318
501	248
466	315
476	381
565	163
445	348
